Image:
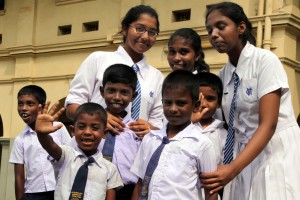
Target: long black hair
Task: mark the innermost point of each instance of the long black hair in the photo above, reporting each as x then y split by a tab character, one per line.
236	13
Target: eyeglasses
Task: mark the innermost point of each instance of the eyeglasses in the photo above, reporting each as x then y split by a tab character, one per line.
141	30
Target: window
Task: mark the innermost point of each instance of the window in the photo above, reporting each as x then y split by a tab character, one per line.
90	26
0	38
64	30
181	15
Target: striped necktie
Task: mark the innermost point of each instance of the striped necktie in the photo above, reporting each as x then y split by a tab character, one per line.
136	104
228	151
79	183
151	167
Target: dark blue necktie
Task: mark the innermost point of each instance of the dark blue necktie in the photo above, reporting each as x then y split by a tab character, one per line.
109	146
228	151
151	167
78	187
136	103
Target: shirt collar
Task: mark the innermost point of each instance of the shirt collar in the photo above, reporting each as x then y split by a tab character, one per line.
97	156
243	62
28	130
216	124
143	67
188	132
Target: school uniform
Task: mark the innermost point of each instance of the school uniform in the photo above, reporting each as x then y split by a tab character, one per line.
177	173
88	79
125	150
217	135
27	150
275	173
102	174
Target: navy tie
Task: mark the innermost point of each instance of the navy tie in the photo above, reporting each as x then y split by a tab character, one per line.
136	104
228	151
78	187
109	146
151	167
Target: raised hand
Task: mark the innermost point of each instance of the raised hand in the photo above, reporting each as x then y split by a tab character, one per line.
45	119
199	111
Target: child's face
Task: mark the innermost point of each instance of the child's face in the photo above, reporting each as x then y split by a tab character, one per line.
181	55
177	105
223	33
28	109
88	131
210	101
140	42
117	96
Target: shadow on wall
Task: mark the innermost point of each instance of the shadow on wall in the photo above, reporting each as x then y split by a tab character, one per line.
63	118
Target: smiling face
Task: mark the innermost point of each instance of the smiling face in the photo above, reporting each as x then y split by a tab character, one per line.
28	109
224	34
138	43
181	55
88	131
117	97
177	106
210	101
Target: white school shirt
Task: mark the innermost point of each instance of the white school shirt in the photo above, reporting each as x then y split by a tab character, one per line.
217	135
181	161
261	72
85	86
27	150
102	174
126	148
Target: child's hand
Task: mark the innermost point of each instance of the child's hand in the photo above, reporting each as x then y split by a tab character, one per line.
215	181
45	119
114	124
141	127
199	111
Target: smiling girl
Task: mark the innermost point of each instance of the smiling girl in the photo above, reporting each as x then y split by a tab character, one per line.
140	27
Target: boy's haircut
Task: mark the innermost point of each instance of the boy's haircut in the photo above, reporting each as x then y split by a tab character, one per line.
36	91
134	13
185	79
120	73
91	108
211	80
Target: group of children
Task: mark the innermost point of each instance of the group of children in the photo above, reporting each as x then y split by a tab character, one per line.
145	159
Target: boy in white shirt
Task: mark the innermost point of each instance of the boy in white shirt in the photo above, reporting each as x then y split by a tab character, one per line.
89	127
211	89
28	155
186	152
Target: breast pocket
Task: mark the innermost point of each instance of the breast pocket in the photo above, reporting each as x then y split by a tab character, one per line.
249	90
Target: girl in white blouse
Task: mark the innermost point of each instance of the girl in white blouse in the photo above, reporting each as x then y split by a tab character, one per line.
266	161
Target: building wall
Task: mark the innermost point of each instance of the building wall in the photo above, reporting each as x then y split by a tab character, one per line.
32	52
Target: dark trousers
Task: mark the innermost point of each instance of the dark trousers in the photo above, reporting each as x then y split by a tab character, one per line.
125	192
39	196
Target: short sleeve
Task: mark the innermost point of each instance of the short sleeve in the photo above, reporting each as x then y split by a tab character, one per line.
271	74
17	152
83	84
207	160
114	179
